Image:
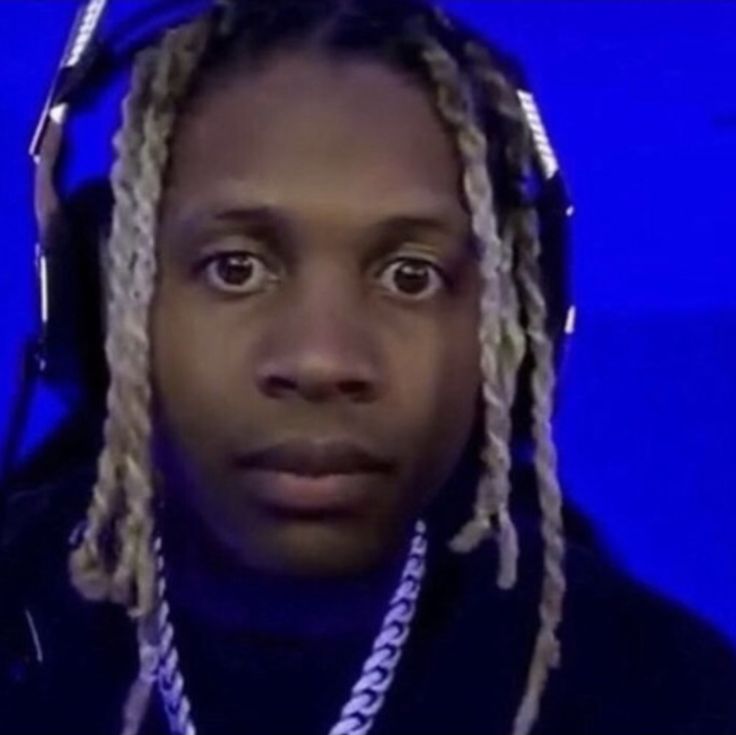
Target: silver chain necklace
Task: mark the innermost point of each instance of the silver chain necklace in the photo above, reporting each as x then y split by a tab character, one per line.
368	694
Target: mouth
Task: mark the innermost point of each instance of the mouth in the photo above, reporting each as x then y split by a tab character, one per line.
316	458
314	479
290	494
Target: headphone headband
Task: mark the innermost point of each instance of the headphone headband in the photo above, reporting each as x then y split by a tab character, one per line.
84	67
81	40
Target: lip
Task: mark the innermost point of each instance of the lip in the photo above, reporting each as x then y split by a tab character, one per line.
315	458
314	478
290	494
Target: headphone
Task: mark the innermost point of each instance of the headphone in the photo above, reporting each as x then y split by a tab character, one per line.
67	352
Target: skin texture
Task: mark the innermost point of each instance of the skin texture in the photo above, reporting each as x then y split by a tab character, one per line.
318	329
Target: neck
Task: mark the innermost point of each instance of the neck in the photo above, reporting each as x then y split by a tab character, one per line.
209	586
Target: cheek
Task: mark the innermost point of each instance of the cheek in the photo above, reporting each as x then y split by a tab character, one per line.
440	382
458	390
192	370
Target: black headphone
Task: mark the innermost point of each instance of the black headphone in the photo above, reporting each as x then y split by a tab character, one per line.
67	352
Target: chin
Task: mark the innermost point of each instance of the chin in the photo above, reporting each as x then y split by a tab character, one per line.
314	548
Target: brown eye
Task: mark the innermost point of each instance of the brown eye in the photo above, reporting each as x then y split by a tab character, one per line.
414	277
238	273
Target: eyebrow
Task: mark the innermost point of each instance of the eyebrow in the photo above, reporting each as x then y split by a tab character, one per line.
274	220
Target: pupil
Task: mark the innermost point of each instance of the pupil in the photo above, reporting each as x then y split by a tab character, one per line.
234	270
411	278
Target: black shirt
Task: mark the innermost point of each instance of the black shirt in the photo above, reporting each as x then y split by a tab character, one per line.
633	663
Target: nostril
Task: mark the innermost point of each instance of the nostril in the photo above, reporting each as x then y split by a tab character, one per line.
276	385
356	389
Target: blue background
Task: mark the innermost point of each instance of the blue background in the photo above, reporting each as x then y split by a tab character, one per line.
640	101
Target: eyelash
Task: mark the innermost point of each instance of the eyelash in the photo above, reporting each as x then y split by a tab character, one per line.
205	267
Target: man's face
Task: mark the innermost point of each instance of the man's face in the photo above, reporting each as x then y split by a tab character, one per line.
316	284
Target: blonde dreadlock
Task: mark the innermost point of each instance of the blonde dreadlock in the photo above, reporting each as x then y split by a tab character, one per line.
526	226
503	351
116	560
122	496
499	326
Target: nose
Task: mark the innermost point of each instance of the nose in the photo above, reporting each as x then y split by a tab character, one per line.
322	350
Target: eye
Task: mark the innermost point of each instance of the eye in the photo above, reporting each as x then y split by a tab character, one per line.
236	272
416	277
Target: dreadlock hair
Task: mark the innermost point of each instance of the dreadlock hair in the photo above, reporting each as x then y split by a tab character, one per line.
481	109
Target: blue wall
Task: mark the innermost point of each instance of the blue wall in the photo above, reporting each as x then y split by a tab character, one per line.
640	100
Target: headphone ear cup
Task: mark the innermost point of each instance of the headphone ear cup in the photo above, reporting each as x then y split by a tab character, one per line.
74	339
555	211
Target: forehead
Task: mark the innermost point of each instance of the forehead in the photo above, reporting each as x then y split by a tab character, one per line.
324	135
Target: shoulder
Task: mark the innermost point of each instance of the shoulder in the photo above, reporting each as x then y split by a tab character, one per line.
54	661
45	509
640	661
633	661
